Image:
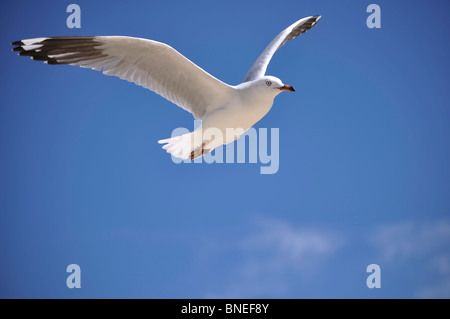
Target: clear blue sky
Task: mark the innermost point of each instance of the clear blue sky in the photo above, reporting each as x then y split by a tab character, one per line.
364	171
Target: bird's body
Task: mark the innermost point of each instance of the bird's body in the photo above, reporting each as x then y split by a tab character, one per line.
245	107
160	68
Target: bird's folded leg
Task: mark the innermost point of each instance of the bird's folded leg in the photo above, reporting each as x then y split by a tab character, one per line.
199	151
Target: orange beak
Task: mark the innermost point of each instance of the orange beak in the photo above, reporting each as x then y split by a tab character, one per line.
286	88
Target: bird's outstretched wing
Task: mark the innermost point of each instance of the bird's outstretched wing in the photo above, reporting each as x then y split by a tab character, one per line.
259	68
151	64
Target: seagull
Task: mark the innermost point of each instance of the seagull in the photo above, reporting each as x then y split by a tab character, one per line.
160	68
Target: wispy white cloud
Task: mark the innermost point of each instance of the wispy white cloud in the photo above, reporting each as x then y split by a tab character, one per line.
425	246
275	254
288	246
411	239
438	290
276	257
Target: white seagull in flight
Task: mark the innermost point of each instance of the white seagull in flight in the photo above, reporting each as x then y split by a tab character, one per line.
162	69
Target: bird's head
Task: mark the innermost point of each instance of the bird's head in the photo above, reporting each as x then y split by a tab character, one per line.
273	85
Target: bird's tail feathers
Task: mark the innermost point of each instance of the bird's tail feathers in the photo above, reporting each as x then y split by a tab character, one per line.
185	146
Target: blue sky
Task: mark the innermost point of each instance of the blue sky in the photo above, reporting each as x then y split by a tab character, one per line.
364	158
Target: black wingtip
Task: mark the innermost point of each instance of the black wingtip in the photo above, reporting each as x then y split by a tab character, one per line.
25	53
51	61
47	49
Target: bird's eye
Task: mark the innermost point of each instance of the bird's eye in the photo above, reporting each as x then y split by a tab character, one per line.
269	83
